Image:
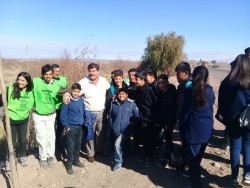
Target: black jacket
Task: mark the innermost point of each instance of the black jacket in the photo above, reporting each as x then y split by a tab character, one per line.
166	106
131	91
146	103
232	100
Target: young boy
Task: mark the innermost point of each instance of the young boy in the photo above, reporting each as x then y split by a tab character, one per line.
146	102
112	91
73	117
123	113
183	72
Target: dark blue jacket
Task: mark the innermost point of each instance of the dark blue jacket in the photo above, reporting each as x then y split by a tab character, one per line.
122	114
74	114
232	100
198	121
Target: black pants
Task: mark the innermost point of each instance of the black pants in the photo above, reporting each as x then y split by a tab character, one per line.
148	133
73	144
19	131
168	134
59	129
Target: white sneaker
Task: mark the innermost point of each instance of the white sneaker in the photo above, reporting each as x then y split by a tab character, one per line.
23	161
50	162
246	180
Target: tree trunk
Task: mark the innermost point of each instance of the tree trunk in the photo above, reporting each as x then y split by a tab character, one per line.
13	168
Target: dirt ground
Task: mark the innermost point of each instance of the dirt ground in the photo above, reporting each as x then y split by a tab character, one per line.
215	168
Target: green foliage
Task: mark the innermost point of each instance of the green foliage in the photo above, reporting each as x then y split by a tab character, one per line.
163	52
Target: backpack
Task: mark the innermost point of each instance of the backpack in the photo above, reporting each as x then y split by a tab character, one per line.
245	117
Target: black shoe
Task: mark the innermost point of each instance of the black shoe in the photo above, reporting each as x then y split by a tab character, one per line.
79	164
70	170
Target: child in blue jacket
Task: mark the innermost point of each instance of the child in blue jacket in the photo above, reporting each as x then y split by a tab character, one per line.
123	113
74	116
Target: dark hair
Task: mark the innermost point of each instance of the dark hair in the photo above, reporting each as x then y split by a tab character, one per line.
163	76
93	65
240	72
46	68
17	91
141	75
54	66
76	86
123	89
113	72
151	72
183	67
118	73
200	76
132	70
247	51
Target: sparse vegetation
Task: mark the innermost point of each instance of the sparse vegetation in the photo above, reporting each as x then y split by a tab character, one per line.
163	52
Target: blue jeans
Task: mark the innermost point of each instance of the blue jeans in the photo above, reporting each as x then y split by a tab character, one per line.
119	145
239	141
73	144
195	153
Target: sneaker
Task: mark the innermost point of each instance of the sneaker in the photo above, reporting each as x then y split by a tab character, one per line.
23	161
44	164
235	183
186	172
117	167
91	159
50	162
246	180
79	164
70	170
163	164
226	147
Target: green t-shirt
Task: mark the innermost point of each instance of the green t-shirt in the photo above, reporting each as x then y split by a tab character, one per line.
19	109
45	96
62	82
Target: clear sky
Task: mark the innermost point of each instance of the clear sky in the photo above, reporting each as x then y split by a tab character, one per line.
213	29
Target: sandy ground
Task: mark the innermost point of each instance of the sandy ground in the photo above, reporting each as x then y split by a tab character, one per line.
215	168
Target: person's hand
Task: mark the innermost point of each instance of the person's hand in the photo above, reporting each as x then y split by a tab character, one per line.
66	130
66	98
114	97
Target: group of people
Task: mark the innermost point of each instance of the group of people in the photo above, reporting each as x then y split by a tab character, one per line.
141	110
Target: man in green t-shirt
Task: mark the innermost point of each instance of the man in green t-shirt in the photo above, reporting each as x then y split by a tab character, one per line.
44	114
62	81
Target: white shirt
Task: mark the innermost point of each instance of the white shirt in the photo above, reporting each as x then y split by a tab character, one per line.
94	95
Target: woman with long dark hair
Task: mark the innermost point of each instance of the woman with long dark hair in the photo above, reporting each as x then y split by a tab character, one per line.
197	121
20	102
234	95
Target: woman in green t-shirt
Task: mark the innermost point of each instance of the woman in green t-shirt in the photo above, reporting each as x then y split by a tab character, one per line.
20	102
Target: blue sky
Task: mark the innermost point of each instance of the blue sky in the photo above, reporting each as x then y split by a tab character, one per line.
213	29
